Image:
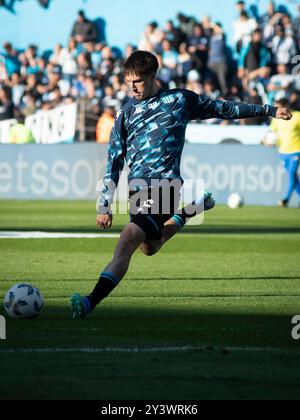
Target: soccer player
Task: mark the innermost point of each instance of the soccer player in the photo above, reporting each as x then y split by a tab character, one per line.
149	132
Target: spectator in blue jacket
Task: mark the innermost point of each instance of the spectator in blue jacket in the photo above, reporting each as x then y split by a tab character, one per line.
254	55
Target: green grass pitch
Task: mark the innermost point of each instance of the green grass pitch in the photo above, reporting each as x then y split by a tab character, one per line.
209	317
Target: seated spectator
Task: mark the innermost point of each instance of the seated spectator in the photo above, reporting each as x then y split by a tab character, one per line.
280	83
17	87
210	90
55	56
253	97
105	125
83	29
6	104
169	55
165	75
11	60
110	99
29	104
194	82
254	55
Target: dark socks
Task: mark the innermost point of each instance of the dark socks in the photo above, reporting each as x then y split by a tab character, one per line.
106	284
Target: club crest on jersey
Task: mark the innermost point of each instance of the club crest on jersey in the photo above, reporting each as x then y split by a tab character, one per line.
168	100
154	105
138	110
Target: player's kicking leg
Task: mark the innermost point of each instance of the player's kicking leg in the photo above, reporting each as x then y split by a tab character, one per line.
130	239
177	222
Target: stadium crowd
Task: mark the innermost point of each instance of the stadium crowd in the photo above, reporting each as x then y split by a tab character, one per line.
260	68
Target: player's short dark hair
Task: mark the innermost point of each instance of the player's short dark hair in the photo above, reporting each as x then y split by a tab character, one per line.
142	63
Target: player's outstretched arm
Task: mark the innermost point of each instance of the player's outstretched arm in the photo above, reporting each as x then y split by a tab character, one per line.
283	113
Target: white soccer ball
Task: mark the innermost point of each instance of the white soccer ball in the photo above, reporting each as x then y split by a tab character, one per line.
23	300
235	201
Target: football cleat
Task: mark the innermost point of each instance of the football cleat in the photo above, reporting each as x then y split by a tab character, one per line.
81	306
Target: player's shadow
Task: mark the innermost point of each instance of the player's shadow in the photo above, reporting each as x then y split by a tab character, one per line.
180	349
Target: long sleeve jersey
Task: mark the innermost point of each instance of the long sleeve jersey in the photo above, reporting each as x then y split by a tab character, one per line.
150	135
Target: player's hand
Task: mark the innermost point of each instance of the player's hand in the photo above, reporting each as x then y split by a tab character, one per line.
104	221
283	113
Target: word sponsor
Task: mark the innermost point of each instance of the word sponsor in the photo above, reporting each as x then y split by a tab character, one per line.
296	329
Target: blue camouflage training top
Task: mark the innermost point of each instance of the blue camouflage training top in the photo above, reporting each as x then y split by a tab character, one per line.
149	135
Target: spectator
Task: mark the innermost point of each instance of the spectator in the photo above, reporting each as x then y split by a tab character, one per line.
217	60
198	47
254	55
210	90
17	88
283	46
240	7
185	62
253	97
19	133
68	62
6	104
243	27
55	56
11	60
268	16
186	24
174	35
280	84
169	56
105	125
83	29
151	38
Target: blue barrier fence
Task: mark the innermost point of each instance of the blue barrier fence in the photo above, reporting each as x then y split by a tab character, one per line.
72	171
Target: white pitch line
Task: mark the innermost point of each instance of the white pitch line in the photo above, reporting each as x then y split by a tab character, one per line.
46	235
143	349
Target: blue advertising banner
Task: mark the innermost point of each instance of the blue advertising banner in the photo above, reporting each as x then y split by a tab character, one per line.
73	171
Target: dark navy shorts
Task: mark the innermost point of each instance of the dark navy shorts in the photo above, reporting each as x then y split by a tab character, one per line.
150	209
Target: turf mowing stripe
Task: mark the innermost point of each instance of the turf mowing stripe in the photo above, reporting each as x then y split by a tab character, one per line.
58	235
146	350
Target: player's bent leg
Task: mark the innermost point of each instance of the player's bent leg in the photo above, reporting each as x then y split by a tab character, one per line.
151	247
130	239
177	222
